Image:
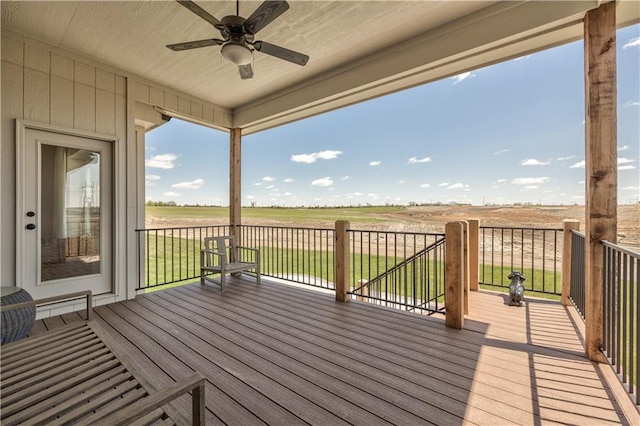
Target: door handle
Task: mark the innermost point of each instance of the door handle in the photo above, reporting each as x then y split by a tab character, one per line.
31	226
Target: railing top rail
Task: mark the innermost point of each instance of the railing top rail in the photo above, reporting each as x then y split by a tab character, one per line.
286	227
180	227
621	249
429	234
582	234
526	228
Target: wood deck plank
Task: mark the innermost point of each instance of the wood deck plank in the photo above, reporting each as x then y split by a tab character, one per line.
278	354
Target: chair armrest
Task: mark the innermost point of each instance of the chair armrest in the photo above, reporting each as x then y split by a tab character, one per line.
156	400
68	296
249	248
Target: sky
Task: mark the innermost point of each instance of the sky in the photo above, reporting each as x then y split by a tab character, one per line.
509	133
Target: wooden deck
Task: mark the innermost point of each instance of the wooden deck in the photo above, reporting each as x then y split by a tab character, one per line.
281	355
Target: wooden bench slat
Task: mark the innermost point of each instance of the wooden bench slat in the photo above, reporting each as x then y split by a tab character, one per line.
25	372
66	400
16	350
120	397
63	381
155	417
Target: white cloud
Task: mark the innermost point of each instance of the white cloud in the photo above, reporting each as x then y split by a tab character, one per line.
443	184
171	194
624	160
578	165
522	57
258	184
631	43
325	181
414	160
288	180
375	163
581	182
624	148
531	187
162	161
501	180
425	185
152	177
313	157
268	179
357	194
530	181
373	195
630	188
631	103
502	151
570	157
270	186
458	186
287	194
345	178
189	185
533	162
461	77
402	181
250	197
627	167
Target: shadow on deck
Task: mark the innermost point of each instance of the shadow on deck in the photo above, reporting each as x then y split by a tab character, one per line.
282	355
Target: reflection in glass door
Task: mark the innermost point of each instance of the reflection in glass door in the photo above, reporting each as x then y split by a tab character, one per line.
71	211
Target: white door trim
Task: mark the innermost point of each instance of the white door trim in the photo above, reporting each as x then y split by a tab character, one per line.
21	130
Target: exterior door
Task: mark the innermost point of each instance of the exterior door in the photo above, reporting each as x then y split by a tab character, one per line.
65	217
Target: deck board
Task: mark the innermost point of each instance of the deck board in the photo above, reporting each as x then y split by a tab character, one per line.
277	354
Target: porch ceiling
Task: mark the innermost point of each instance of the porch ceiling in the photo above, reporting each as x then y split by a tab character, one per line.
358	49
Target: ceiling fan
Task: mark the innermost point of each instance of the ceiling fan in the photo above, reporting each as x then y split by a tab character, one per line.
238	35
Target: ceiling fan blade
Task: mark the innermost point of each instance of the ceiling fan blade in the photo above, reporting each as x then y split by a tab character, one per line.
246	72
195	44
281	52
264	15
201	12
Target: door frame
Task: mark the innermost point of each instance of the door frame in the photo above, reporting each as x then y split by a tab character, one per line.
21	219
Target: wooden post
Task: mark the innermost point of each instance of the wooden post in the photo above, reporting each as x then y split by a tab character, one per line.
465	264
235	183
454	279
600	162
474	253
567	226
342	262
364	291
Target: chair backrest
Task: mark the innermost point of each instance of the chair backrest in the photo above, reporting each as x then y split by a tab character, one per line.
223	244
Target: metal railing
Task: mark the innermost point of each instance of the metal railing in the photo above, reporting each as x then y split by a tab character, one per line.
301	255
398	269
536	252
577	287
171	255
621	314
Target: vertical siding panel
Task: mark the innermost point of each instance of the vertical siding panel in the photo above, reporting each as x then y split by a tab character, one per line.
196	109
12	108
184	106
121	117
170	101
62	66
105	80
121	85
156	97
36	96
12	51
105	112
207	114
37	59
84	107
61	102
142	92
84	74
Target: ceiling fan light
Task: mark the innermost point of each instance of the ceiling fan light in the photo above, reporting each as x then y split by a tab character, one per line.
237	53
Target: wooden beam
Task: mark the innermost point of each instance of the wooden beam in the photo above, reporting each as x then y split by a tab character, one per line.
454	275
235	182
600	161
342	262
567	226
465	264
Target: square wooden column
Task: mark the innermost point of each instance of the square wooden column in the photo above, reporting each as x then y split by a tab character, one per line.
600	161
235	182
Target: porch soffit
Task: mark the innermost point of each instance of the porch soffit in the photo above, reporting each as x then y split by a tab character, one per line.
358	49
